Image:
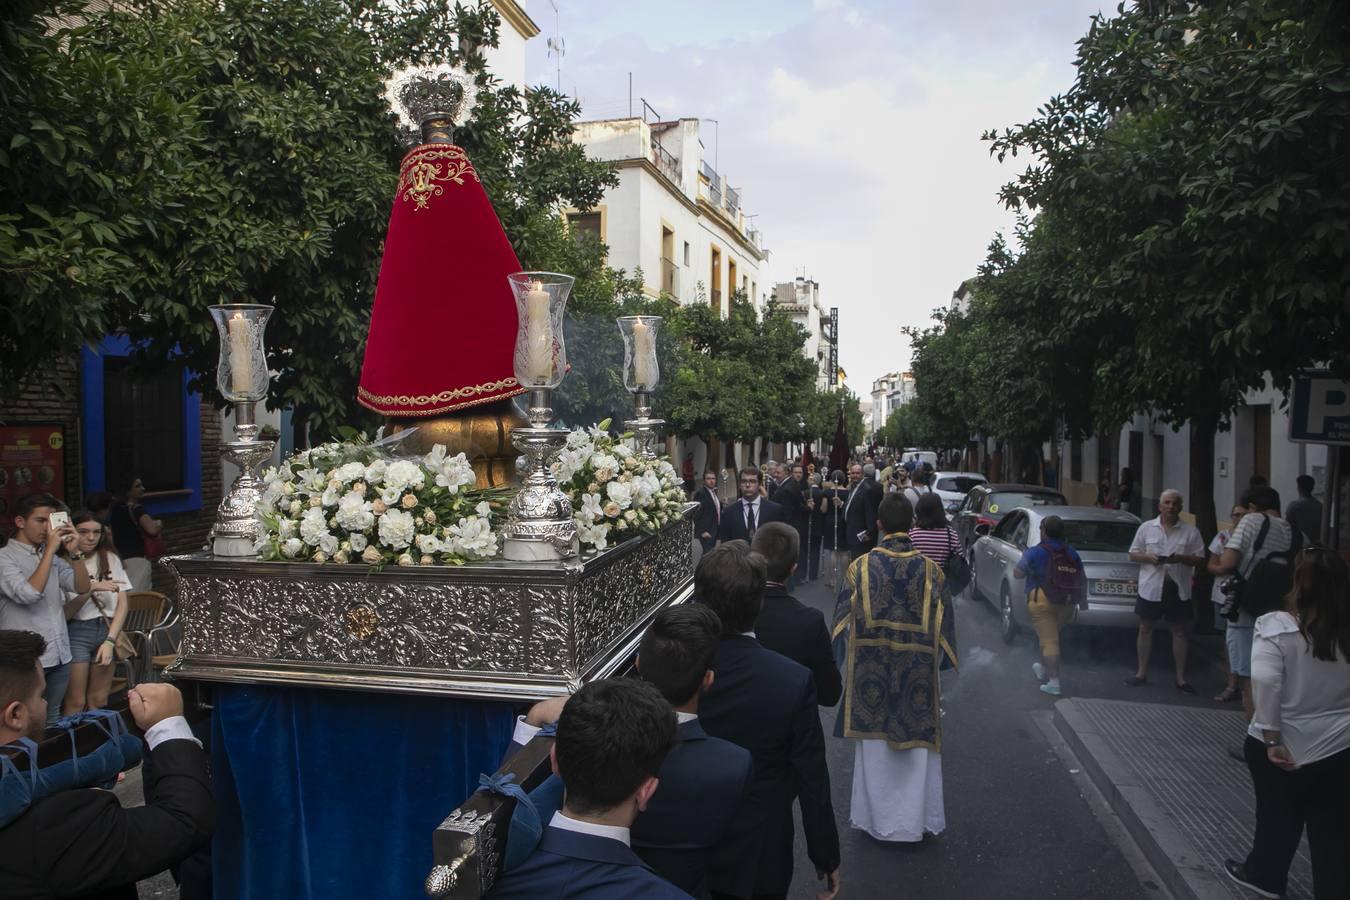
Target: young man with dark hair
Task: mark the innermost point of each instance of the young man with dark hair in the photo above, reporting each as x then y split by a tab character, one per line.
82	842
894	630
703	780
740	519
613	736
766	703
709	516
785	624
34	582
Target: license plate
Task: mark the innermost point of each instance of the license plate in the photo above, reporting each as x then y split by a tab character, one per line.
1116	588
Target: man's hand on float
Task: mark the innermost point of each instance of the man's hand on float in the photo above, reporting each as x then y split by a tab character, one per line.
153	702
545	712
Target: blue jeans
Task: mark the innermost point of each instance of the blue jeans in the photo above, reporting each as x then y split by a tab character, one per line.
57	679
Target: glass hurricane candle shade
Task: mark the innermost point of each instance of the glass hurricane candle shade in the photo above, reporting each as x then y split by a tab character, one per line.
242	373
641	370
541	356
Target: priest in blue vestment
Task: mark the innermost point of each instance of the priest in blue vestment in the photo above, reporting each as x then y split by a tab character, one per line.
893	633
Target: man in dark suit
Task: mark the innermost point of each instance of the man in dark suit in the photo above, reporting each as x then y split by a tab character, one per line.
613	736
793	496
83	842
740	519
703	780
709	515
860	514
874	487
785	624
766	703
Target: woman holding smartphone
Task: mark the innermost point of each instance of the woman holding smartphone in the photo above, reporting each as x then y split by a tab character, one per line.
94	619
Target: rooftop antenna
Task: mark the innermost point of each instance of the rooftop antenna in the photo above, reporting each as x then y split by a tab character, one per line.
557	47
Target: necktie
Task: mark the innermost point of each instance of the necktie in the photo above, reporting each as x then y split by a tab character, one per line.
749	519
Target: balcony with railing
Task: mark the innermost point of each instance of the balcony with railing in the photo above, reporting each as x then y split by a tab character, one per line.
665	162
670	277
733	204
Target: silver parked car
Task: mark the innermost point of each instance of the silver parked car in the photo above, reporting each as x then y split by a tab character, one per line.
1102	538
952	487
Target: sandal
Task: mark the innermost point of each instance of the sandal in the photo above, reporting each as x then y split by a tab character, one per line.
1227	695
1135	681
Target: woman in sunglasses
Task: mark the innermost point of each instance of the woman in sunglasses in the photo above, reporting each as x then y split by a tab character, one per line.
1298	744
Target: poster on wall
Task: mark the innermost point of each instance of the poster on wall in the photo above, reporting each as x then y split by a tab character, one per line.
31	461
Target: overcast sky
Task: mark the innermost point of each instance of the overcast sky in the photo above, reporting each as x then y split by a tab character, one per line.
852	126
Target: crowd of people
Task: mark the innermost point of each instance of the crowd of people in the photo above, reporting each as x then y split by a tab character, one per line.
66	577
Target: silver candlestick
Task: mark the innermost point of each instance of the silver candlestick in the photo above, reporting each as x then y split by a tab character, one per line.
540	526
641	375
242	377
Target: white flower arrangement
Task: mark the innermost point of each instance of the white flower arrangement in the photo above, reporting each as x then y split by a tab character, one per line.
351	502
616	495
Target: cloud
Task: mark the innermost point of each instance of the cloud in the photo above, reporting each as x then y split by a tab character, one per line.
853	130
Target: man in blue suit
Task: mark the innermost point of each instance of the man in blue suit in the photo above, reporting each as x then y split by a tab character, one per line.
766	703
613	736
704	780
740	519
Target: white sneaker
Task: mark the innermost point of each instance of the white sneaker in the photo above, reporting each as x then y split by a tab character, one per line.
1051	689
1039	671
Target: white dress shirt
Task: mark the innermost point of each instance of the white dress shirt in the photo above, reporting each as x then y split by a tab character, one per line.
613	832
1306	700
1182	539
174	728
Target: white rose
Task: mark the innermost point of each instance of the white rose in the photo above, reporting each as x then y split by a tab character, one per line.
375	471
341	557
429	517
328	543
331	495
409	501
405	560
377	506
397	529
391	495
623	451
295	507
577	438
359	488
316	500
358	542
620	493
319	556
427	561
291	548
370	556
428	543
611	509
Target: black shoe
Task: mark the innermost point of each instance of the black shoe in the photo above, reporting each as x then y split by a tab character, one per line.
1238	872
1185	687
1135	681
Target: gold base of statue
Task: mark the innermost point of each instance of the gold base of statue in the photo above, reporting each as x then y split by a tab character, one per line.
482	433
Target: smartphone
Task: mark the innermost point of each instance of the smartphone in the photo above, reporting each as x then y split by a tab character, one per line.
1164	560
58	520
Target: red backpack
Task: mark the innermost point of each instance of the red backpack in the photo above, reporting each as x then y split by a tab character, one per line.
1063	582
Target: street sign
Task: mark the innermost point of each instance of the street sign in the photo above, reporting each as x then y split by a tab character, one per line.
1319	410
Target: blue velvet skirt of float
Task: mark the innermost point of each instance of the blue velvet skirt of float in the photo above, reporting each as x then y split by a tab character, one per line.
324	793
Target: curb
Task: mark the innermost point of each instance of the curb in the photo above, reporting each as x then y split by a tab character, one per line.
1167	848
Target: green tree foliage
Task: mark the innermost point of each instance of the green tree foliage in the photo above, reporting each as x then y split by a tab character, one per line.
1190	237
155	162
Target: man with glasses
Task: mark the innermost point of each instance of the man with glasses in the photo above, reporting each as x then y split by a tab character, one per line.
742	518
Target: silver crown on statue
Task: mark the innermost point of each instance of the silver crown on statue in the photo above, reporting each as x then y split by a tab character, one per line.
431	99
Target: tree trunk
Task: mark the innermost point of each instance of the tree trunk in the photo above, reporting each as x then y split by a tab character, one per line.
1201	504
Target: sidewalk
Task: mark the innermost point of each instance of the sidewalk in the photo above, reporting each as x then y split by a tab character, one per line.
1166	772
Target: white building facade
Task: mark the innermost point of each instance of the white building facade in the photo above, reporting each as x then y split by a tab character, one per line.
671	215
800	300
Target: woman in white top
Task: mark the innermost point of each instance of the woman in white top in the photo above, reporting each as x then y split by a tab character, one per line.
1298	744
95	619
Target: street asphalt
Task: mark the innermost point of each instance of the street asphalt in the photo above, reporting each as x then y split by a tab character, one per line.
1020	822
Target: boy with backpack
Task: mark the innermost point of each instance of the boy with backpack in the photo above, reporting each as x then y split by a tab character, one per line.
1258	562
1056	586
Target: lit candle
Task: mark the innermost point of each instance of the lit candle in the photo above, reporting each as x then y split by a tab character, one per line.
644	355
241	356
538	334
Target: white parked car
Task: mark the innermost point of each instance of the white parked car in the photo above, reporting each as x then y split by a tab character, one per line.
1102	538
952	487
